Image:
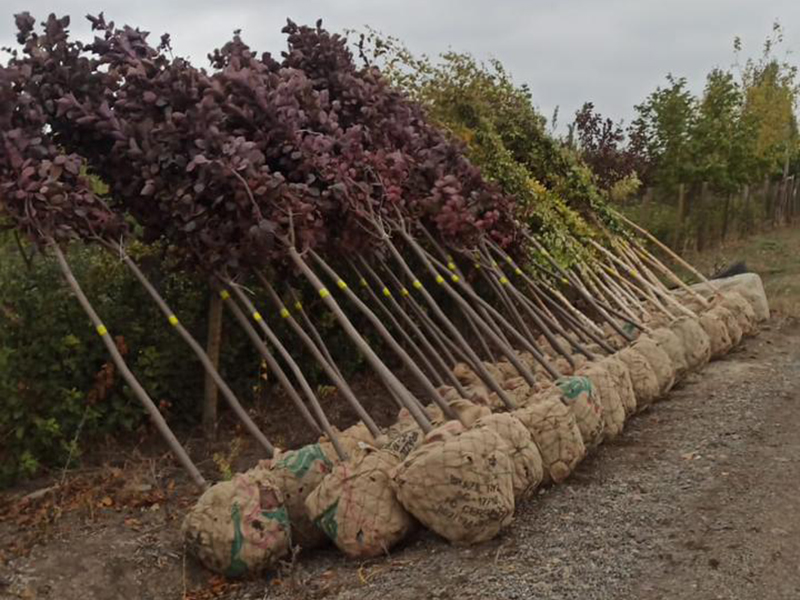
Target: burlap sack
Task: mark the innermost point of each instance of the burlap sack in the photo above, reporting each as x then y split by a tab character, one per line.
612	338
356	507
461	488
528	360
448	392
657	320
749	285
506	369
718	336
671	344
524	454
297	473
555	431
579	395
730	321
445	431
581	361
494	371
696	345
693	304
239	527
403	441
643	379
621	378
465	374
359	433
659	361
467	412
608	395
742	310
517	389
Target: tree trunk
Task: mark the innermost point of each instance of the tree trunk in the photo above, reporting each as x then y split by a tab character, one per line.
681	216
213	343
701	237
726	216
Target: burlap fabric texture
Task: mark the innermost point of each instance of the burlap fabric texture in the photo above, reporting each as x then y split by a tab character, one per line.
462	488
523	451
239	527
555	431
356	507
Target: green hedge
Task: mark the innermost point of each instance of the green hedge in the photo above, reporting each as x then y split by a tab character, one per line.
55	373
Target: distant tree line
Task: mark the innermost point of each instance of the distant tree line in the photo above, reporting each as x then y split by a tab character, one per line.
698	169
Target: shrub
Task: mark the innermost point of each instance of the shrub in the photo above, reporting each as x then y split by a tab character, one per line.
56	377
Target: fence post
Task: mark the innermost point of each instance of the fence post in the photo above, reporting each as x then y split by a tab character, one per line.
726	212
765	199
680	215
702	218
745	227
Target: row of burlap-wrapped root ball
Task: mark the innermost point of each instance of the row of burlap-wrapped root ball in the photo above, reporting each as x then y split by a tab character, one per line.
463	479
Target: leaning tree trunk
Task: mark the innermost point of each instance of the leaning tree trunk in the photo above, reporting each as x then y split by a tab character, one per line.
127	375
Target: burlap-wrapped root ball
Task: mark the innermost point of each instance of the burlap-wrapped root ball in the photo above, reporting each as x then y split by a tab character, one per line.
608	395
555	431
742	310
239	527
621	378
298	472
696	345
579	395
461	488
659	361
523	451
643	378
730	321
671	344
465	410
356	507
713	324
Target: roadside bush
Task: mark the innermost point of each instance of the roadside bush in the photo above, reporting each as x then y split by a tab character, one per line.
57	384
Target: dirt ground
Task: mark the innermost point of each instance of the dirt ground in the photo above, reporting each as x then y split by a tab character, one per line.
700	499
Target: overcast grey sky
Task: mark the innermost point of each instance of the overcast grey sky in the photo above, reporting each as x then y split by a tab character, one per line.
612	52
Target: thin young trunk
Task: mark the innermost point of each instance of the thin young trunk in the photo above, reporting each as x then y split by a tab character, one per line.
130	379
505	282
436	333
560	303
272	364
409	322
507	351
320	343
669	252
606	292
204	359
475	362
404	395
580	288
670	274
273	339
554	327
653	289
427	385
432	373
330	369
